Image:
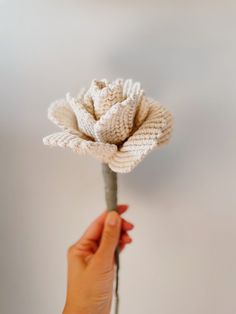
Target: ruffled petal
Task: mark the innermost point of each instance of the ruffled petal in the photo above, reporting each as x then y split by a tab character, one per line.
85	120
142	112
101	151
116	124
131	89
84	98
63	116
104	96
154	131
166	129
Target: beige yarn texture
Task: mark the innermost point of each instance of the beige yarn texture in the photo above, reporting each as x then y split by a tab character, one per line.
112	121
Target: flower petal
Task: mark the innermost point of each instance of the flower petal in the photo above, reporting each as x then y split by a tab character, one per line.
103	152
166	129
85	120
142	112
63	116
115	126
105	95
131	89
84	98
154	131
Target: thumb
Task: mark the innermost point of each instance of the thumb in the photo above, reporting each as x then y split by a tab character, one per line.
110	237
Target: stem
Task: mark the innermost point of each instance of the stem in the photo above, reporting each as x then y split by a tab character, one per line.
110	181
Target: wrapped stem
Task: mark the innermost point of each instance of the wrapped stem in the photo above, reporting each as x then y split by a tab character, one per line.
110	182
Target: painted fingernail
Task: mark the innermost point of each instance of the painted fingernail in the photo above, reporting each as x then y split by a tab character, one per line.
124	206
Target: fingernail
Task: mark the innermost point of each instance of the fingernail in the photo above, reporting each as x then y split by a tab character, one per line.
112	219
123	206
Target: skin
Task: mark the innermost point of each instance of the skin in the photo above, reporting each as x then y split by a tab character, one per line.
91	266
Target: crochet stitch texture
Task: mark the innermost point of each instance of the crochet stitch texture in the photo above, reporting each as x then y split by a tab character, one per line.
112	121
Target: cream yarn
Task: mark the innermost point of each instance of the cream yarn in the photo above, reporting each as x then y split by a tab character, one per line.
114	122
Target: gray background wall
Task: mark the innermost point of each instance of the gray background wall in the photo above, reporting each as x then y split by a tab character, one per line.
182	198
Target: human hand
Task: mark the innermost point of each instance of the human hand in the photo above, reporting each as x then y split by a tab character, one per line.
91	264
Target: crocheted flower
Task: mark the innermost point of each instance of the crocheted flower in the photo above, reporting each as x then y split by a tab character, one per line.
114	122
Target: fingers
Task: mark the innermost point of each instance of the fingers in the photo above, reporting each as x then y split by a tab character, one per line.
94	231
110	239
122	208
127	226
124	240
125	237
89	242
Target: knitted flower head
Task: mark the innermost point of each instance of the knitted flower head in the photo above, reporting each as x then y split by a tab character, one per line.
112	121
